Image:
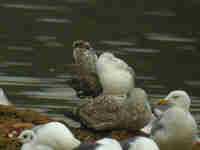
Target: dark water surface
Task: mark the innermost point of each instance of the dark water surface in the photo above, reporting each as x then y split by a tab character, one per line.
159	39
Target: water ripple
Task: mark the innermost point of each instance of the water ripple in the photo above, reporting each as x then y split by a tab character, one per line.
34	7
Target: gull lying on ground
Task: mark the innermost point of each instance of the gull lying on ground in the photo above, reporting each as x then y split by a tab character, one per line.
139	143
175	128
54	135
109	144
116	77
102	144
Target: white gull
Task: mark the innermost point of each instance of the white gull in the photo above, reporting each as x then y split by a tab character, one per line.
176	127
56	136
116	77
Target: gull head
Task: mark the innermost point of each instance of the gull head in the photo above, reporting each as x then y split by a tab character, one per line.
81	44
177	98
26	136
84	56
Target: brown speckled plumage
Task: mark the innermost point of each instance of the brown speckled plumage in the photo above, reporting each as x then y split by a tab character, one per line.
109	112
87	82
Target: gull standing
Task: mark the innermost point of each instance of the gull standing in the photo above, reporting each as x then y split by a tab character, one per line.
175	128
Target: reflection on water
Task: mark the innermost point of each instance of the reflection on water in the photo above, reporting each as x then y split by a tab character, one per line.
160	41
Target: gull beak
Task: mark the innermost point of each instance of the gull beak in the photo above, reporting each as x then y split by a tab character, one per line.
143	133
198	142
162	101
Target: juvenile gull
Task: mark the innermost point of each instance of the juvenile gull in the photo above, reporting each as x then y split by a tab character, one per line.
139	143
56	136
116	77
111	112
86	83
84	56
176	127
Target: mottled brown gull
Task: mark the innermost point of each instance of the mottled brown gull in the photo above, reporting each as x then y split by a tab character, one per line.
85	81
84	56
113	112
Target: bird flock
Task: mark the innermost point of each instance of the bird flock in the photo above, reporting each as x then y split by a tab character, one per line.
171	129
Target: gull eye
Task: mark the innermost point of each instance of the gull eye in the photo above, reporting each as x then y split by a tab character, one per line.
87	45
175	96
31	137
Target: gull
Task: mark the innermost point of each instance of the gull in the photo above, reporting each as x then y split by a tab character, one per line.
35	140
111	112
102	144
109	144
54	135
175	128
116	77
87	82
139	143
84	56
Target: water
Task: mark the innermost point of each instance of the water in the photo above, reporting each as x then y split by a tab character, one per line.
159	39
